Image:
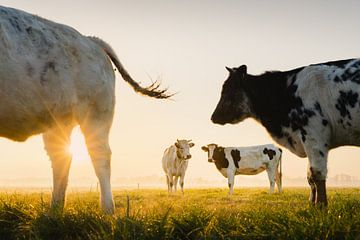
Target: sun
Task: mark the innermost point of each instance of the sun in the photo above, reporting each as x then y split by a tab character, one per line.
78	147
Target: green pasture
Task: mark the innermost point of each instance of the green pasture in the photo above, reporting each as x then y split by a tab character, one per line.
251	213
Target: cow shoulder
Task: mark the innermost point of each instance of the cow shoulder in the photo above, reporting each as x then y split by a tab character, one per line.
220	159
235	154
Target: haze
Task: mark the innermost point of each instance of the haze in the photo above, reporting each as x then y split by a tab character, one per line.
187	44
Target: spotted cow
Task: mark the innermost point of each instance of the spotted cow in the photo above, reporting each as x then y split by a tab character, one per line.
175	162
309	110
53	78
231	161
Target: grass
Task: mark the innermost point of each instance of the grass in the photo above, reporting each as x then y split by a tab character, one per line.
199	214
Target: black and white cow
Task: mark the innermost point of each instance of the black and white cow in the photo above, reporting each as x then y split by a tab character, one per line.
231	161
309	110
53	78
175	162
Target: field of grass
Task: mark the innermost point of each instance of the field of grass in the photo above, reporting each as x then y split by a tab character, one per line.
199	214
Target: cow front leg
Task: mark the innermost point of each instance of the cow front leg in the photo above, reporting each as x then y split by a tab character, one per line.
176	179
312	185
56	143
182	177
231	180
97	142
168	183
317	173
171	183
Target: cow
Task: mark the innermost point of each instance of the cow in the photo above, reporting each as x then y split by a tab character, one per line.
175	162
53	78
231	161
309	110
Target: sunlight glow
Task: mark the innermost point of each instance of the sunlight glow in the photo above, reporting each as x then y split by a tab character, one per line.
78	147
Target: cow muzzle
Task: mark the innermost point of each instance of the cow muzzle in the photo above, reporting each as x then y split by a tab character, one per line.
188	156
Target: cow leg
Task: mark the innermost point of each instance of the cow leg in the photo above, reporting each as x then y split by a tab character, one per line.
317	172
168	183
97	141
171	183
176	179
271	176
182	177
312	185
231	179
56	142
278	180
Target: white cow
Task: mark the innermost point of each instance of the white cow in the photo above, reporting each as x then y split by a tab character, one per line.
231	161
175	163
52	78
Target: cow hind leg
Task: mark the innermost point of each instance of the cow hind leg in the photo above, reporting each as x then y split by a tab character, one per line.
96	133
271	175
56	142
278	181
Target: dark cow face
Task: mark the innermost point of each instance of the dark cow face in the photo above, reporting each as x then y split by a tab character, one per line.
183	149
233	106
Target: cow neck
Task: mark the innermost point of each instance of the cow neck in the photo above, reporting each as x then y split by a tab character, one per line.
271	98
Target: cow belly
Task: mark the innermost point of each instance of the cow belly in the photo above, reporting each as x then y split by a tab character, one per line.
19	127
250	171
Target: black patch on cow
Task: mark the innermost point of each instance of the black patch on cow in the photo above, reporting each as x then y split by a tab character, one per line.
345	100
235	154
182	184
29	69
29	30
219	158
318	108
324	122
280	150
321	153
271	153
229	184
326	145
47	67
290	141
282	108
14	21
315	175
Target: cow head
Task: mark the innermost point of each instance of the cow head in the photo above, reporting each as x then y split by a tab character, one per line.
210	149
234	105
183	149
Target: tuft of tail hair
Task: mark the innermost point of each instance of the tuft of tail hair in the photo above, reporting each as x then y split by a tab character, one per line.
152	91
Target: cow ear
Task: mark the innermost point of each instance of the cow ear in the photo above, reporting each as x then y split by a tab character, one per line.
242	69
230	70
205	149
177	145
191	144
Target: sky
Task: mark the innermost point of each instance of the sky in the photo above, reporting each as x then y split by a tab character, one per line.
187	44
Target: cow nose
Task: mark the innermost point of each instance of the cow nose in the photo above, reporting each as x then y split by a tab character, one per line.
188	156
217	118
209	160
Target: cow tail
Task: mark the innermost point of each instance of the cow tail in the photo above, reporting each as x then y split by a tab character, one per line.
151	91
